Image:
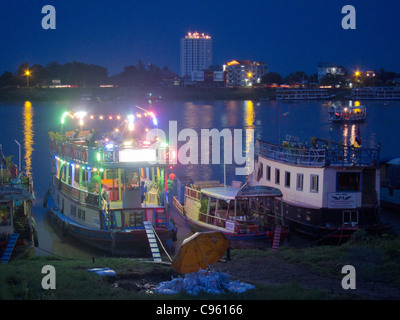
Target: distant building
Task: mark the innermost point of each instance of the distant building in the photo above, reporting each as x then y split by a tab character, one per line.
244	72
196	53
329	68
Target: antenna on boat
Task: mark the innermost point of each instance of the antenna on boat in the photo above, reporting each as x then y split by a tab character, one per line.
224	174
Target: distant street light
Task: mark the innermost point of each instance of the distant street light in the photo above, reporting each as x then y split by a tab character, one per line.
27	73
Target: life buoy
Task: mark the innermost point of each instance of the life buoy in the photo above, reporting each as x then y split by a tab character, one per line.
84	155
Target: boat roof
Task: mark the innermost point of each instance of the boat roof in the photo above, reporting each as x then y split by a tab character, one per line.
395	162
228	193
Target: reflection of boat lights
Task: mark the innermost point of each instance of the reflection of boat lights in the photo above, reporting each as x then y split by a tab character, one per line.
28	137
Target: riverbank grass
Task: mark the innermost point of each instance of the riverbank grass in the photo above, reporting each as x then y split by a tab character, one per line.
376	260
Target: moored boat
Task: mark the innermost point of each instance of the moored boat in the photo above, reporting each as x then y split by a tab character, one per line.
303	94
329	190
376	93
16	200
390	184
105	186
237	212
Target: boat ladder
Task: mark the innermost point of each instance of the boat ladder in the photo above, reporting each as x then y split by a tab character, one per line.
155	251
10	248
277	238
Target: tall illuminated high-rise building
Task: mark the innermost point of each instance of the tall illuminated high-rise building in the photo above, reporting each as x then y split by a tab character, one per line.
196	53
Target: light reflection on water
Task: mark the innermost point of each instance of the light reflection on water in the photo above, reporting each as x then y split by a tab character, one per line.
28	114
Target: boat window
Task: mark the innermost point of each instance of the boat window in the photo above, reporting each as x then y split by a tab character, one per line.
73	211
135	219
350	217
277	176
348	181
81	214
118	220
299	182
287	179
314	183
268	177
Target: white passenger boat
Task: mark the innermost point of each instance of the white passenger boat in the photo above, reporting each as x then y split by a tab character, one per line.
328	190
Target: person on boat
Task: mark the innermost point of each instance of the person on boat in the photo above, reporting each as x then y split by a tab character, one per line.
75	135
143	190
135	180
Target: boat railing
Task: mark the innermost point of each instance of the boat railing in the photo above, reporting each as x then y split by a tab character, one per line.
215	220
79	151
78	194
321	156
177	204
192	193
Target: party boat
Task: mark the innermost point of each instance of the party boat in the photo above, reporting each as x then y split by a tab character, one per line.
348	114
17	224
108	189
236	211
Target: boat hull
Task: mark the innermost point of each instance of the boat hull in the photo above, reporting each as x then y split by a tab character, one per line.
326	224
122	243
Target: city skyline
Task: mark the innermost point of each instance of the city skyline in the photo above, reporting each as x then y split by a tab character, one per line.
288	37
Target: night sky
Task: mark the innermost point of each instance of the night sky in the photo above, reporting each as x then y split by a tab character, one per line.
289	35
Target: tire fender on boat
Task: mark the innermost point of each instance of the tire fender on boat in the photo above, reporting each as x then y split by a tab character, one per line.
65	227
174	234
46	198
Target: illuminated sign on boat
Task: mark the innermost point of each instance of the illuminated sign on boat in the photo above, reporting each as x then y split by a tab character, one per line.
137	155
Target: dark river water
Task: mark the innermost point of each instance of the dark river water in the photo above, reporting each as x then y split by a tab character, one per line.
28	124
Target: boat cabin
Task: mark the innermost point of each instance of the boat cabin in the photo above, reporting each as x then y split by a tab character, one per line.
238	210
